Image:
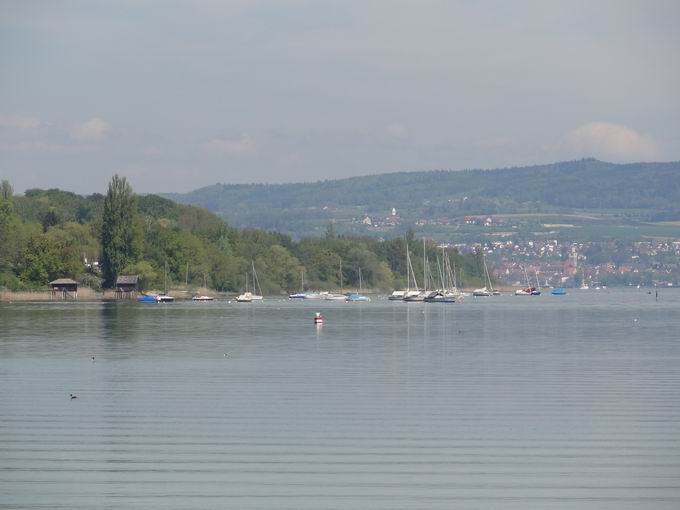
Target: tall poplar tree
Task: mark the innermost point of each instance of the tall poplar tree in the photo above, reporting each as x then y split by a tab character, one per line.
6	212
121	235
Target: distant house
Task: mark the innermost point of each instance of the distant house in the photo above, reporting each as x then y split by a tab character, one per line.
64	288
127	286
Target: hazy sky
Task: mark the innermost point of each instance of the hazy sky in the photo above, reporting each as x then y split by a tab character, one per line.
178	95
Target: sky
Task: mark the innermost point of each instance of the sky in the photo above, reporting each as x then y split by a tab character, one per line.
176	95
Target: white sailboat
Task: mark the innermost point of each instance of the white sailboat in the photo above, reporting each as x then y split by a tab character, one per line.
205	286
486	291
399	295
304	294
336	296
247	296
445	294
419	296
165	298
301	294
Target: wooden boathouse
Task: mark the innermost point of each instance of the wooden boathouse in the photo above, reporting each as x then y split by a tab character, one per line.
127	286
64	288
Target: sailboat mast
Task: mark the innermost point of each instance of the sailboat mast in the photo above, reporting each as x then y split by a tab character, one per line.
443	270
424	267
486	270
408	269
165	278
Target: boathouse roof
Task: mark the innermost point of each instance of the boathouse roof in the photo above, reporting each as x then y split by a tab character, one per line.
127	279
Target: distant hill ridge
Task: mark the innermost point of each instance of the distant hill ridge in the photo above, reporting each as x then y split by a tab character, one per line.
564	186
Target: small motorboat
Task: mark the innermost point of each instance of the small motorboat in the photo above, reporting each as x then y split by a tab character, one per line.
202	298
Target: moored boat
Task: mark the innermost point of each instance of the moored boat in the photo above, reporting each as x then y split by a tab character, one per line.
335	296
440	297
355	296
358	296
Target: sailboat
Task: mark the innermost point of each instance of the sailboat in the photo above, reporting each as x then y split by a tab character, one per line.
336	296
358	296
486	291
528	290
304	294
249	297
400	295
419	296
165	298
446	294
203	297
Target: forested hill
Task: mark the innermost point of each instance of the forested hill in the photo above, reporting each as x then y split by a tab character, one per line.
586	184
50	234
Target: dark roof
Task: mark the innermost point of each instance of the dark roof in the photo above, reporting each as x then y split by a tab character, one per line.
64	281
127	280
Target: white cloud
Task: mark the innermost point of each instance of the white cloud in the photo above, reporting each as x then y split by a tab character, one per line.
396	131
21	122
93	130
243	146
612	142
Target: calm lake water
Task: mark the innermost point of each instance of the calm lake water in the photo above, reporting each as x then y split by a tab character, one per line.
507	402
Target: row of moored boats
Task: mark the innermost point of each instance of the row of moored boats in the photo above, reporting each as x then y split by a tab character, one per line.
439	287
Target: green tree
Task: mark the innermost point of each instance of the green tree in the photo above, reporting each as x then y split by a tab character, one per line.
121	236
44	260
6	191
330	230
148	276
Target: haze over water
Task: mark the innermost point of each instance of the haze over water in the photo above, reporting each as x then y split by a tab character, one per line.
508	402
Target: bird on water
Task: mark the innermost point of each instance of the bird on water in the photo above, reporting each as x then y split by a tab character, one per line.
72	396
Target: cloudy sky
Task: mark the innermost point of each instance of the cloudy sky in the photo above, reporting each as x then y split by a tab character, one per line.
180	94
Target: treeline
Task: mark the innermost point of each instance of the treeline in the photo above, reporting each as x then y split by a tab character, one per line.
50	234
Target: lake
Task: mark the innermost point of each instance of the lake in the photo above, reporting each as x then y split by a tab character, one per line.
496	403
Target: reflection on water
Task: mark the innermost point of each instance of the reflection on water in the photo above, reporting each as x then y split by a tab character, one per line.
506	402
